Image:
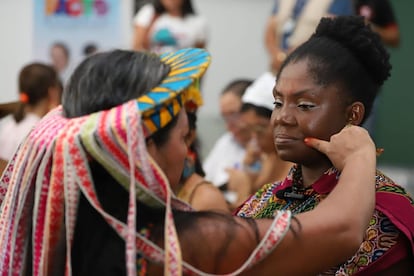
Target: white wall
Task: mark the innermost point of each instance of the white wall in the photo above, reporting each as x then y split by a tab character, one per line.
236	44
15	45
237	48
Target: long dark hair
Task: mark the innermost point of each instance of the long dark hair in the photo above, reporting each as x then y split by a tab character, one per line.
196	145
186	8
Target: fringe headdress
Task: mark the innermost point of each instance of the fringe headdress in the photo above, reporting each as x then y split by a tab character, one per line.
42	184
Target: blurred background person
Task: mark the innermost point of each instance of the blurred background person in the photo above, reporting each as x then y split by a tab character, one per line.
60	57
168	25
293	21
380	15
90	49
194	189
39	91
261	163
229	149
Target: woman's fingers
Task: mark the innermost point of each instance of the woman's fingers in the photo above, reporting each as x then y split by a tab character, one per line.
350	141
317	144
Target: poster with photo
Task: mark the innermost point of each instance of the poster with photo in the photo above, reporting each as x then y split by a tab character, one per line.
66	31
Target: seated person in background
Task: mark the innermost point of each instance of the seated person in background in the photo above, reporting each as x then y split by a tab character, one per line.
39	91
92	194
195	190
165	25
6	109
90	49
229	149
60	58
380	15
293	21
261	163
316	95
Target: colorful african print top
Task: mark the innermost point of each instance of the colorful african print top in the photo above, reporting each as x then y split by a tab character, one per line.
390	230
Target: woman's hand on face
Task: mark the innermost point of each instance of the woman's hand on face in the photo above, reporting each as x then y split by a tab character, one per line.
351	142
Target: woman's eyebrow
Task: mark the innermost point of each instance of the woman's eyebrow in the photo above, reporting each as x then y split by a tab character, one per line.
296	93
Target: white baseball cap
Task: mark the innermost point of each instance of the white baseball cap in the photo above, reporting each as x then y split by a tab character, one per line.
260	92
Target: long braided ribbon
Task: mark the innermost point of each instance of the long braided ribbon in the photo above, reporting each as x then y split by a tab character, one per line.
45	192
42	184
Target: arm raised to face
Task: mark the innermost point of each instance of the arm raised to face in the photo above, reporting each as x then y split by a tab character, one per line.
309	243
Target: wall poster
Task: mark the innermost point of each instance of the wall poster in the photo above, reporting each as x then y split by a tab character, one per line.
66	31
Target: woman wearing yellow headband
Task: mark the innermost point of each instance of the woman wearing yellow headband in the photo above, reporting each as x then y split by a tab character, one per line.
89	192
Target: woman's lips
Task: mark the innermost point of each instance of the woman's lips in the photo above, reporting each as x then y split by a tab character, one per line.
285	139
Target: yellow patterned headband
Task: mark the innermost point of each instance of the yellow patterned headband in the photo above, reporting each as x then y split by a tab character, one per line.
179	88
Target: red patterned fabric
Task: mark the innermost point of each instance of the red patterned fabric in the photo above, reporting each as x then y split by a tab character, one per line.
388	239
43	183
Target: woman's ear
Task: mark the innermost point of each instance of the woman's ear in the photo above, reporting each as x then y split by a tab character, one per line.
355	113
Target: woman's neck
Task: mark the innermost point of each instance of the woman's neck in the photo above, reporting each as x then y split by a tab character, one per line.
39	109
281	167
310	174
175	13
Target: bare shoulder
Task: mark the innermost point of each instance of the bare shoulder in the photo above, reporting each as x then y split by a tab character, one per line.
206	196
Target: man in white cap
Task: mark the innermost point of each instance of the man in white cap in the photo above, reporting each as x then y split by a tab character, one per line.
229	149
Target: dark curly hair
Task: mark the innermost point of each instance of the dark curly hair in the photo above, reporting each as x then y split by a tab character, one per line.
345	51
186	8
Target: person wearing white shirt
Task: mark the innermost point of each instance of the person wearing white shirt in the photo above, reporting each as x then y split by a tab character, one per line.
229	149
169	25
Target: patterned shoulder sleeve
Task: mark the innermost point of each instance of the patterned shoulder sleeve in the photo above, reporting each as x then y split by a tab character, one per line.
257	201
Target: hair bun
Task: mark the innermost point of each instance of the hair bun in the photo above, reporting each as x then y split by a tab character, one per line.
354	34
